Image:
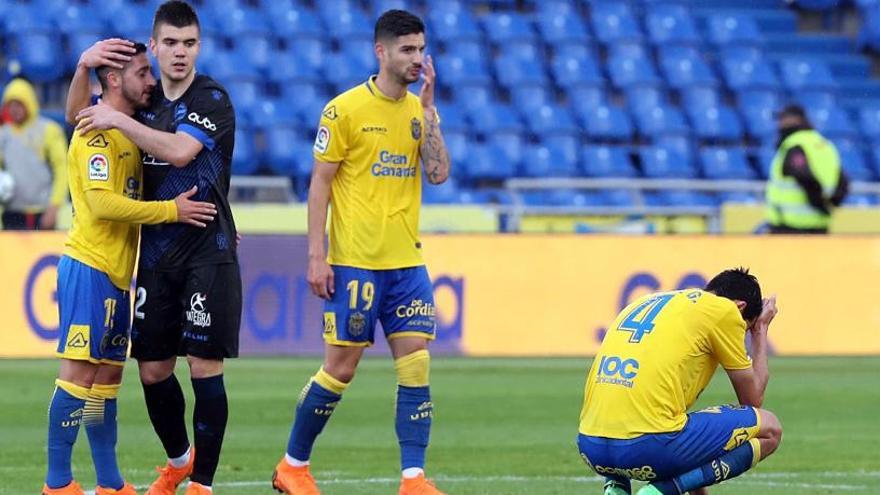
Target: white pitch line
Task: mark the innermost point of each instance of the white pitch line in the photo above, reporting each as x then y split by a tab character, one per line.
757	479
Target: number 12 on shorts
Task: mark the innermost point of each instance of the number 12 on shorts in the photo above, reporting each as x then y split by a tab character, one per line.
367	293
648	310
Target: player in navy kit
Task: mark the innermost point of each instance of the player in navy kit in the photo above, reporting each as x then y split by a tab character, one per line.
188	299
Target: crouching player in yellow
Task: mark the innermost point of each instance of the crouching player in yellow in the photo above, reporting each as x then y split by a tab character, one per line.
656	358
94	276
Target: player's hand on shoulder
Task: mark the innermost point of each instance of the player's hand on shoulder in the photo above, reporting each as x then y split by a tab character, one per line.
768	312
112	52
96	117
193	212
321	278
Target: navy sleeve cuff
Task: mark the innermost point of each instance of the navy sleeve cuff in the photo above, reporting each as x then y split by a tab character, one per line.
199	134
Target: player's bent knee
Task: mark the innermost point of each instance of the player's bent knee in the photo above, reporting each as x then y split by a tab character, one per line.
770	433
342	371
108	374
152	372
204	368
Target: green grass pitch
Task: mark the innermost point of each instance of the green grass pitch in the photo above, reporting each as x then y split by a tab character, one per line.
501	426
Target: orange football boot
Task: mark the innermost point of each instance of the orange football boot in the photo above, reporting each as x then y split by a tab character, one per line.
71	489
418	486
126	489
171	477
196	489
293	480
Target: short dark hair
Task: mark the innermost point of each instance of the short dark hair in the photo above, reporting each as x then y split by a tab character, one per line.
792	110
175	13
740	285
395	23
103	70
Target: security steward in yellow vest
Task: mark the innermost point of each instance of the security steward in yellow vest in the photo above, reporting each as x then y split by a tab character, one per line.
806	180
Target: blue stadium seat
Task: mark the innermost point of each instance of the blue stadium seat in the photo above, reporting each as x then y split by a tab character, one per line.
452	118
458	145
739	197
732	29
455	71
444	193
832	122
606	161
361	50
680	144
495	118
308	52
629	72
283	155
471	51
614	22
275	113
869	122
661	120
715	123
818	5
662	163
547	8
379	7
571	71
671	24
328	8
229	65
449	25
239	23
471	96
606	122
525	50
764	159
508	149
75	18
759	98
513	72
583	98
551	119
347	24
803	73
258	50
558	28
244	156
684	67
246	95
760	122
504	27
700	96
287	73
444	6
486	162
852	159
548	161
302	96
860	200
39	54
19	19
815	99
346	72
530	98
645	98
297	23
725	163
743	71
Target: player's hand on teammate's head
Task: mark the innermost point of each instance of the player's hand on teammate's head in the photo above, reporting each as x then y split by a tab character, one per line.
193	212
426	95
111	52
96	117
320	277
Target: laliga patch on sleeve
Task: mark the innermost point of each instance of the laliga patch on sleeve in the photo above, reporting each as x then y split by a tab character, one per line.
322	140
99	167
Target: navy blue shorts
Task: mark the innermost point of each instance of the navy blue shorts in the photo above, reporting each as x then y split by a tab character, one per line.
707	435
402	300
94	315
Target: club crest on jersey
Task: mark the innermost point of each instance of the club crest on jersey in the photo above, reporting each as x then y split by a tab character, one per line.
322	140
99	167
416	129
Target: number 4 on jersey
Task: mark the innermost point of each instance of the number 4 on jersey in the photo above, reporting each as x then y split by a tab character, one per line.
648	310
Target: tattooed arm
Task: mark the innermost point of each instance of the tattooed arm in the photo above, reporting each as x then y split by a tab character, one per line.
435	157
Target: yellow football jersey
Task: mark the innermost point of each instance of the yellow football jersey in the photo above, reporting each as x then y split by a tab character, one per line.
103	160
377	192
656	358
